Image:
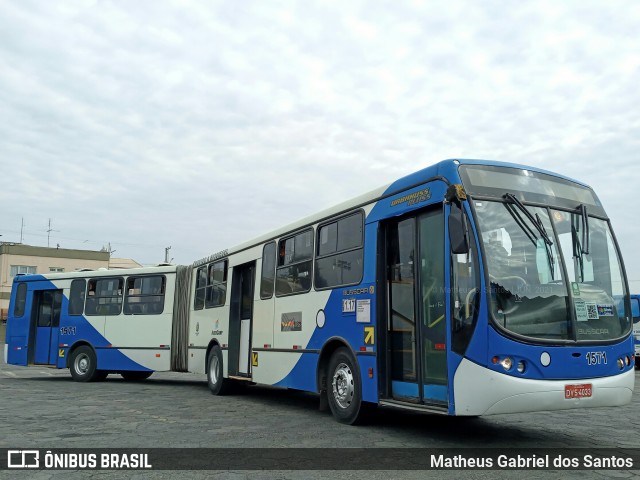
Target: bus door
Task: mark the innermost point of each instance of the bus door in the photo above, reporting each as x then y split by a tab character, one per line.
46	320
240	320
416	314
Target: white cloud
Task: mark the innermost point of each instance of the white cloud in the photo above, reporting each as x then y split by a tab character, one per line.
150	124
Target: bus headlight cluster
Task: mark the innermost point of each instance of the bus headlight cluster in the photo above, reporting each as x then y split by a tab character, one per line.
624	361
507	363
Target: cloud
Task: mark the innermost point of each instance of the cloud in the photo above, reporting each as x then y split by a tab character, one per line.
202	124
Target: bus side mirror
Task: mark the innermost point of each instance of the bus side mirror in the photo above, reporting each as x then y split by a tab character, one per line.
458	230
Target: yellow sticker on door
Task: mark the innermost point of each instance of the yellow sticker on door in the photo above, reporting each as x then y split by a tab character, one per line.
61	353
254	359
369	338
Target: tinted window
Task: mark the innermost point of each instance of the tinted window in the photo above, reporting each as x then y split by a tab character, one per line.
21	300
294	271
350	232
340	252
104	296
268	270
201	287
76	296
328	239
216	284
145	295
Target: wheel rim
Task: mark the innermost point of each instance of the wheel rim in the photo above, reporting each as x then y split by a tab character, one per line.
213	370
343	385
82	364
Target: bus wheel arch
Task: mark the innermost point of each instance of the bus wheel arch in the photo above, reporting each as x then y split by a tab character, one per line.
344	388
218	385
83	363
337	368
326	353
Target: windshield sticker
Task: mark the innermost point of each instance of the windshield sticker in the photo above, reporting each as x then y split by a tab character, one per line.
605	310
576	289
592	311
581	310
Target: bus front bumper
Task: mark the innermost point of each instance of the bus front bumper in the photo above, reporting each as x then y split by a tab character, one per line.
481	391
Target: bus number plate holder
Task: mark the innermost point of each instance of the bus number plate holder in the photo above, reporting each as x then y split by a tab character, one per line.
583	390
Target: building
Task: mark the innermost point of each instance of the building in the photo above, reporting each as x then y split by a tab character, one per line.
16	258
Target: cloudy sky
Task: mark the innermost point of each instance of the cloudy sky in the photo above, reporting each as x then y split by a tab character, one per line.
201	124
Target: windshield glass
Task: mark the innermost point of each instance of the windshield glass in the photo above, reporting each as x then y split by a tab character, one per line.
597	284
529	294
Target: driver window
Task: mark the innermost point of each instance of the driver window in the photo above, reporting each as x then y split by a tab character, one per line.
466	296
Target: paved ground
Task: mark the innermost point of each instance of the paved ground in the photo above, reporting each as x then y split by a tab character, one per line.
43	408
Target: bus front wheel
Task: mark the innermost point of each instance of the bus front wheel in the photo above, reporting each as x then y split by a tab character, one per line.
83	364
344	389
217	383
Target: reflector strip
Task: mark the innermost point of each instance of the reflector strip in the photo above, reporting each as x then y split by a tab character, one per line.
440	346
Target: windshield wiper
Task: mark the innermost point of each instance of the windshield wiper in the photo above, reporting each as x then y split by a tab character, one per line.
585	229
580	248
535	221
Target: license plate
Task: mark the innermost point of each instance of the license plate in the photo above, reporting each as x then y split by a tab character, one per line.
578	391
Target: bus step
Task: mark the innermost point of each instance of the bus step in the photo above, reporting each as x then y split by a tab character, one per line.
413	407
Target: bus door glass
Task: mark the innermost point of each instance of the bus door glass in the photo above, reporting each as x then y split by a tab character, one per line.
46	318
416	320
240	319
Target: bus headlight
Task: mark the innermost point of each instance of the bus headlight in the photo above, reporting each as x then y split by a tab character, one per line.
506	363
521	367
620	363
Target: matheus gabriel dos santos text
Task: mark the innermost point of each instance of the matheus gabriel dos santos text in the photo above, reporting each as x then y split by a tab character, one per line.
531	461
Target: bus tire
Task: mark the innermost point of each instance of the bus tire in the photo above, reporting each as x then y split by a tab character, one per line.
217	383
344	388
135	376
83	364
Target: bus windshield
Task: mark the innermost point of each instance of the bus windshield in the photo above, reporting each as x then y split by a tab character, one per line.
554	272
528	267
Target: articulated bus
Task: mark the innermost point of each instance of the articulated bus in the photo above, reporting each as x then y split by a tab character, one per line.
467	288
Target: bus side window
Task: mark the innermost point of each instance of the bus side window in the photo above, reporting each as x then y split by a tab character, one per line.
76	296
21	301
465	295
293	274
268	271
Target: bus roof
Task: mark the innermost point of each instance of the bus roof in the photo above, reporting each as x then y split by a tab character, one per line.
119	272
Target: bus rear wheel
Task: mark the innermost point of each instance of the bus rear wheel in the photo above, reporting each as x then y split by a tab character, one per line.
82	364
344	389
217	383
135	376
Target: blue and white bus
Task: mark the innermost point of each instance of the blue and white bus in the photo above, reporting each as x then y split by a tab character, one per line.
467	288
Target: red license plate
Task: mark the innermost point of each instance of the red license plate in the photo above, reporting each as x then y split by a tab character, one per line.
578	391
